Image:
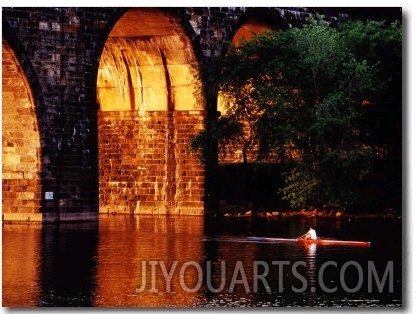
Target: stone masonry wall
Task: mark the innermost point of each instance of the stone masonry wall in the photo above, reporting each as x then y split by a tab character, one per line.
56	48
21	159
144	164
59	50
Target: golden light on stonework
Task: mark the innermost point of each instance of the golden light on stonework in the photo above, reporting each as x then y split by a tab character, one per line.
245	33
146	90
147	64
248	30
21	148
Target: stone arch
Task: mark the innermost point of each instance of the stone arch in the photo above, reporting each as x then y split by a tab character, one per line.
21	143
251	23
255	20
147	64
148	110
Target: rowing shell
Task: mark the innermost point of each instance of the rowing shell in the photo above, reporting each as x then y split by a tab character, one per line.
306	241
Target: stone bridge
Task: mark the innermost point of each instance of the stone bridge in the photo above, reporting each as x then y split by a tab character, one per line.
99	105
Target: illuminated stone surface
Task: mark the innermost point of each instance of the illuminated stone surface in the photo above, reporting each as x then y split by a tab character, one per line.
148	112
21	164
110	85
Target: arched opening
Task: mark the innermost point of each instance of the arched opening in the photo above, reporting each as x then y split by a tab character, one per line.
148	111
21	165
245	32
242	180
248	30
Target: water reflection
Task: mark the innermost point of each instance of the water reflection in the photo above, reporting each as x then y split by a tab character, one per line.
311	266
134	241
21	263
68	264
159	261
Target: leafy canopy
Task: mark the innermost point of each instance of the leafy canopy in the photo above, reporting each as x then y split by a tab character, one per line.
321	100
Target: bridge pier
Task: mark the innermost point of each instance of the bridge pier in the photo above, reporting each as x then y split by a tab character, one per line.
67	159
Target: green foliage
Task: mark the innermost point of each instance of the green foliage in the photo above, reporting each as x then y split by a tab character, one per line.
325	100
301	189
225	131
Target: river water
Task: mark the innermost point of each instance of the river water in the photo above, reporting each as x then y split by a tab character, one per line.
159	261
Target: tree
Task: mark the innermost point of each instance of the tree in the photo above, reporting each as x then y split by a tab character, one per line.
324	101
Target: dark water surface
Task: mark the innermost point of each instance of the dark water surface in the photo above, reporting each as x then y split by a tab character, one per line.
158	261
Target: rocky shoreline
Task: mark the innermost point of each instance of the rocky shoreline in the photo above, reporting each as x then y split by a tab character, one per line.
386	214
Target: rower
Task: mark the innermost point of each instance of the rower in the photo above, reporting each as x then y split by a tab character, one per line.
310	235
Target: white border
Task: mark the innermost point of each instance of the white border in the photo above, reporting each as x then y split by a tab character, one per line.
411	207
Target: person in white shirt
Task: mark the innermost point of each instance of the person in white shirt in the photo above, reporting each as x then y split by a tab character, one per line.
310	235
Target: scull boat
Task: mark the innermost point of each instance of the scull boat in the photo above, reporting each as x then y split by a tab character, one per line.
309	241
